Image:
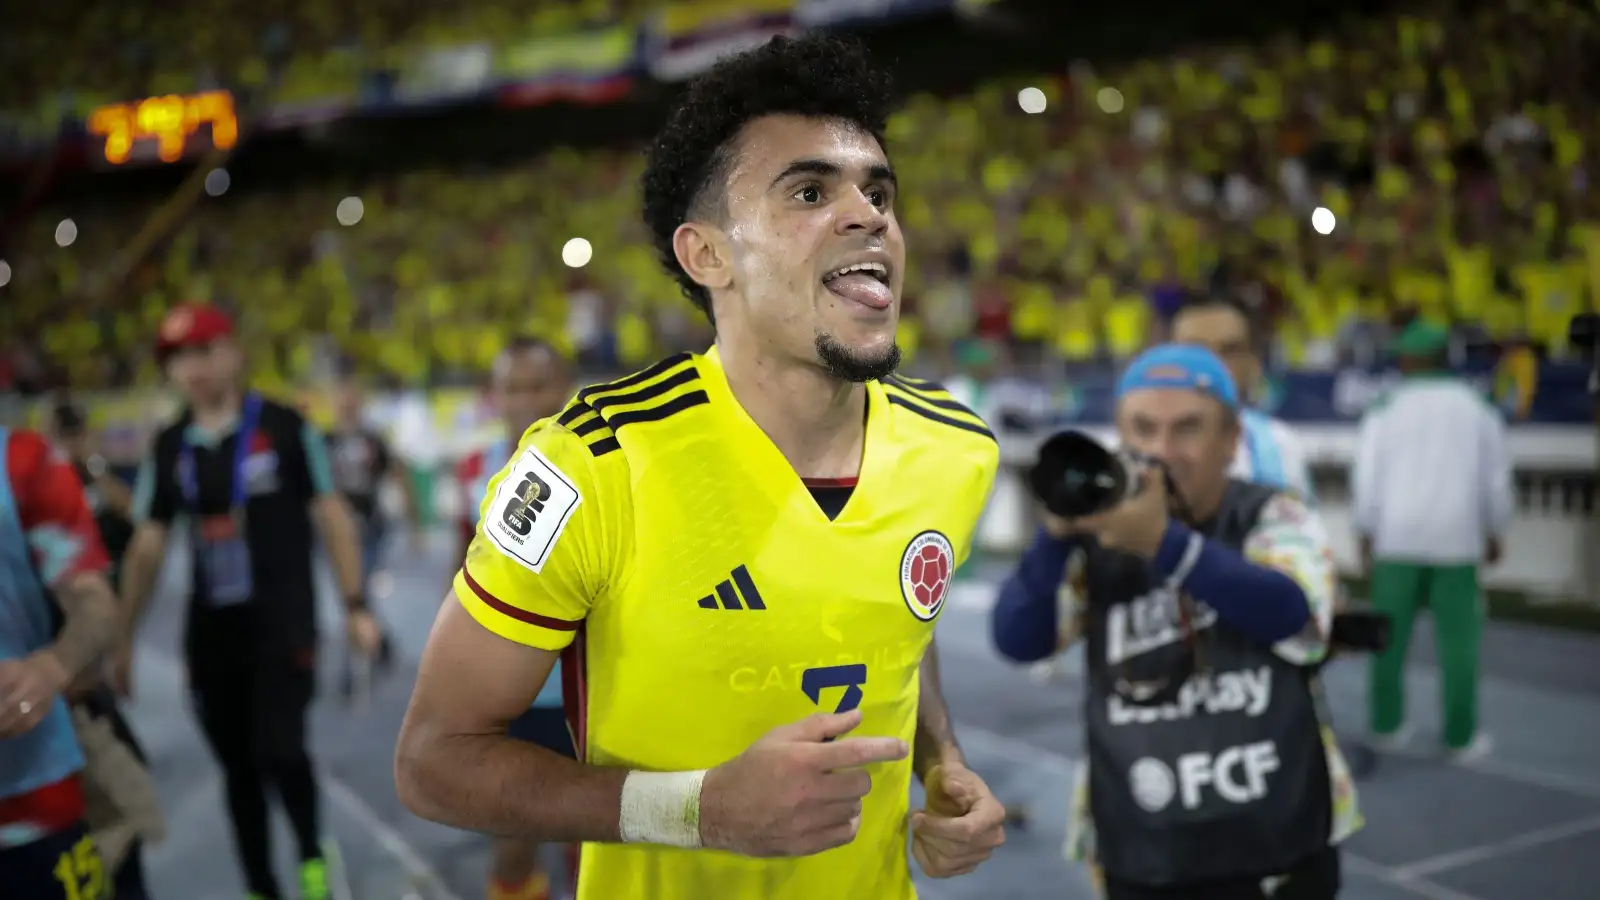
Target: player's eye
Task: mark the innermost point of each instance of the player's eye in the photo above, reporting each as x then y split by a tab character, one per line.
809	193
878	197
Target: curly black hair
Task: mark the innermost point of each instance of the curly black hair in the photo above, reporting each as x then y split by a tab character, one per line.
821	76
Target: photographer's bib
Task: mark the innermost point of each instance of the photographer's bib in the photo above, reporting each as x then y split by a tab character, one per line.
221	549
1220	776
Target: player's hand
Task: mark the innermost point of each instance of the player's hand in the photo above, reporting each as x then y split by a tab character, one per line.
28	688
795	792
961	826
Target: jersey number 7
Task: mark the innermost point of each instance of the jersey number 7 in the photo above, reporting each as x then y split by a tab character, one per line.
851	678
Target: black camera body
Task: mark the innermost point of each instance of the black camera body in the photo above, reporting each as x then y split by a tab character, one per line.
1076	476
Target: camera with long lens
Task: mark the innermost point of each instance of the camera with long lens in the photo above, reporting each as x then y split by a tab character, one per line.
1076	476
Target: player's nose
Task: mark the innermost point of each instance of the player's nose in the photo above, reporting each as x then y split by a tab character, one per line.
859	213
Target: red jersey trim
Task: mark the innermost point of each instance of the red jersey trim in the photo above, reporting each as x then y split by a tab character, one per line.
52	808
829	482
521	615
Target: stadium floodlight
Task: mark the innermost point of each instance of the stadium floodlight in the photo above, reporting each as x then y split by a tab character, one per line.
66	232
349	211
577	253
5	273
1322	220
1032	100
217	182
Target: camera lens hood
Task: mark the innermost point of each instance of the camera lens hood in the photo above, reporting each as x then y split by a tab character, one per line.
1075	475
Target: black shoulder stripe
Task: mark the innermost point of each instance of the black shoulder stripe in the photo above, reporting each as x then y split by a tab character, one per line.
656	413
926	396
589	426
575	410
638	377
604	446
925	384
942	419
649	392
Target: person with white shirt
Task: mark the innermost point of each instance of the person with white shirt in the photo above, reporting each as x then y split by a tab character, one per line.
1269	451
1432	498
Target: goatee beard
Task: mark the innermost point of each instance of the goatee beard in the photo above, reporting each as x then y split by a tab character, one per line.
856	368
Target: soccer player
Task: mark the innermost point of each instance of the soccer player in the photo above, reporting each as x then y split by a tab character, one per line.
111	505
743	553
529	382
50	556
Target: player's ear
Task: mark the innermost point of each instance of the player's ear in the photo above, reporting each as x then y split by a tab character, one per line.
703	252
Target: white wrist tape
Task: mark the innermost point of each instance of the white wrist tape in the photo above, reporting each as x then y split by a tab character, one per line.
662	808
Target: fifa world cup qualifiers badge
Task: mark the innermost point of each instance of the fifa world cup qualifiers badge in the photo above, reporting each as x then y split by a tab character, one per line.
925	570
531	507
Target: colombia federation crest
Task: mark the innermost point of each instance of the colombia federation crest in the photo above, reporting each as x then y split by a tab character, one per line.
925	570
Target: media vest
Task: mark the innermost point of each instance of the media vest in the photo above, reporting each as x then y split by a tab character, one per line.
49	752
1223	777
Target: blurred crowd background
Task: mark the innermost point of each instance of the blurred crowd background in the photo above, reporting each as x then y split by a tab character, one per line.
1430	160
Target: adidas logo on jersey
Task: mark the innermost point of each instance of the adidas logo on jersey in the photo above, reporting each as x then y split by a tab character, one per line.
729	592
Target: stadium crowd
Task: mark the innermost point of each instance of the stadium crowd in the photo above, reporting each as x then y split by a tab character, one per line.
1453	153
109	53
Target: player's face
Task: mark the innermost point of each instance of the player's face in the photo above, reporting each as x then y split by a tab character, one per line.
817	257
527	387
205	373
1224	332
1192	433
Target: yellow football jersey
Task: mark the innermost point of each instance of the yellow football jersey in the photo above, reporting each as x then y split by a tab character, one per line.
712	599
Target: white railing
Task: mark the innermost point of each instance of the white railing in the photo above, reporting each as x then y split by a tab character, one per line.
1552	550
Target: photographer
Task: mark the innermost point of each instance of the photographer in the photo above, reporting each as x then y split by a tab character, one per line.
1208	603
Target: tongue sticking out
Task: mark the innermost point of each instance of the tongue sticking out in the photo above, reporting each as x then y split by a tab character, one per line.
863	289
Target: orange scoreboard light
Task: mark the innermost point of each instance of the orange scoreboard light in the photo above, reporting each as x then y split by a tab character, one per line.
171	125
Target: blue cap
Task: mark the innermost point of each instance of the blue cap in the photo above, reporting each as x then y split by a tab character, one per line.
1180	366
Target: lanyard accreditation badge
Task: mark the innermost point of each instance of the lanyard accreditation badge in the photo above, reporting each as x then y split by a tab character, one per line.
224	555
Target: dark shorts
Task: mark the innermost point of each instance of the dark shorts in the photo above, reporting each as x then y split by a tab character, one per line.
545	726
63	866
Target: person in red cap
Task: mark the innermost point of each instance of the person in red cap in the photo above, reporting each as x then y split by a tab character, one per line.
251	478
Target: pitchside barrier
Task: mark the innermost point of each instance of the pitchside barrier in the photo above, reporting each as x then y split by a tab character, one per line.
1552	550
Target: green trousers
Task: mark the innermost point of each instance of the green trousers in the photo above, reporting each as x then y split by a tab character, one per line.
1451	594
422	484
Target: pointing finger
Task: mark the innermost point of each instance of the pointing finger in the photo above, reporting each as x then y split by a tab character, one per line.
852	752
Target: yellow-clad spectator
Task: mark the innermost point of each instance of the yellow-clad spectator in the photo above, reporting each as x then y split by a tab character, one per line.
1127	323
1553	293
